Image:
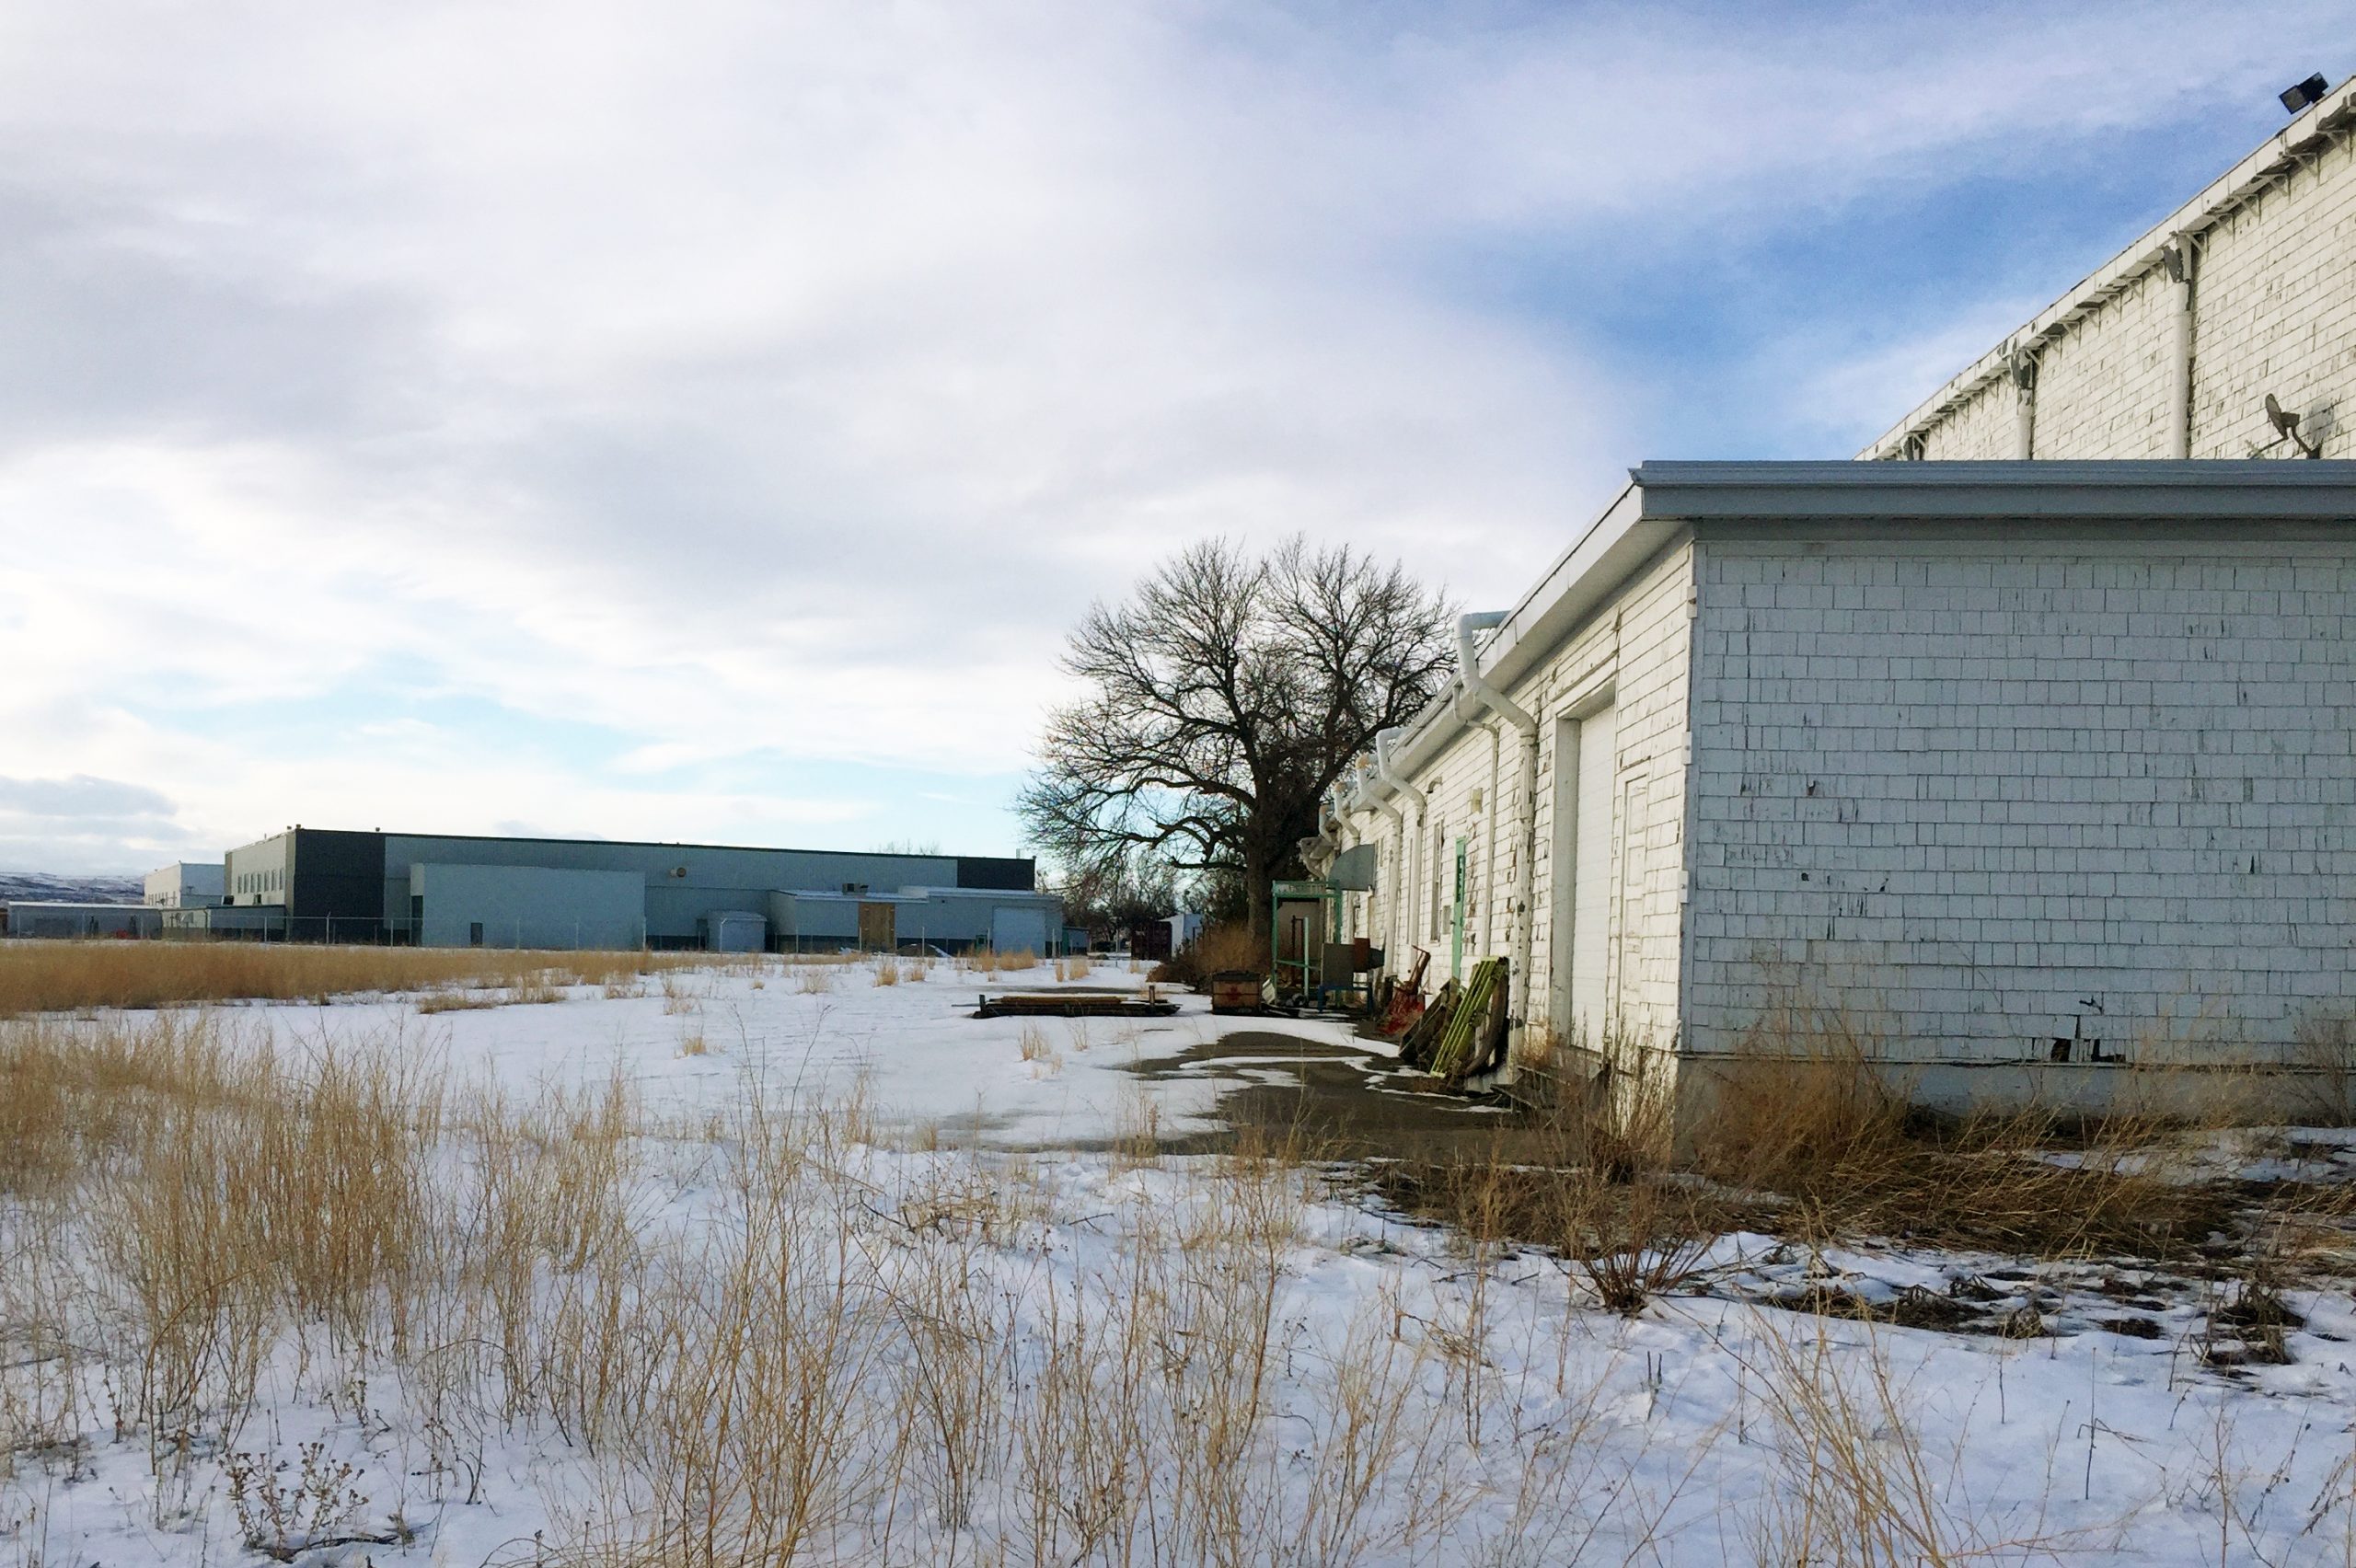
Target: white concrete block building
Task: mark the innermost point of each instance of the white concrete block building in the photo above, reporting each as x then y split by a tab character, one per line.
2171	347
185	885
2033	772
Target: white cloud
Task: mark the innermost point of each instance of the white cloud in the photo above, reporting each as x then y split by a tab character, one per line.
739	377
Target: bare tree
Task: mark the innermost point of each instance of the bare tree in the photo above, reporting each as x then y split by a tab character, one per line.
1224	698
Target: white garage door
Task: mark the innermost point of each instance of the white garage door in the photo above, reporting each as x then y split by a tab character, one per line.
1590	891
1019	930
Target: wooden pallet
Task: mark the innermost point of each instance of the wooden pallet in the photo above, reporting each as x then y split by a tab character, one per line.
1051	1004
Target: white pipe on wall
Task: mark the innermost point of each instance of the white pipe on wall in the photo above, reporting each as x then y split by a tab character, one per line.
2025	426
2179	257
1411	852
1522	916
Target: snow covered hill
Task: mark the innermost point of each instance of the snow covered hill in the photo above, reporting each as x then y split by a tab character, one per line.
70	890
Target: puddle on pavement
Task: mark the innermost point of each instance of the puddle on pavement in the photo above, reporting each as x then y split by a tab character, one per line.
1347	1101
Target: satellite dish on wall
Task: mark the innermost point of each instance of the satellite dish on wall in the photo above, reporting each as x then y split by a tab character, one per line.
2286	428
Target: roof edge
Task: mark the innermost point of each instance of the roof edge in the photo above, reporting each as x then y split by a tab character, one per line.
2237	488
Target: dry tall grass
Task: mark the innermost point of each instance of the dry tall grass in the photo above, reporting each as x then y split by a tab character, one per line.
990	961
1805	1135
829	1369
60	977
1805	1112
761	1341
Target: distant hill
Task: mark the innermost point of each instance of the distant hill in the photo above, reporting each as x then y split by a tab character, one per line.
71	889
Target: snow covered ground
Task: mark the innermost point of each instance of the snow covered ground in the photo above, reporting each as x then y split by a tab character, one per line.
891	1285
688	1041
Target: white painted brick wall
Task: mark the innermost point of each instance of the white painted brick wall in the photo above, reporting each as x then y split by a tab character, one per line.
1986	425
2102	390
1964	789
1639	644
2275	311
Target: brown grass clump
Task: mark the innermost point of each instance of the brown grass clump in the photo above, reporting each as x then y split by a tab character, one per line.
537	992
1218	948
458	1001
62	976
1807	1115
1803	1135
887	971
988	960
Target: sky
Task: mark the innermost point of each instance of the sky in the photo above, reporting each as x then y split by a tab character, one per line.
703	421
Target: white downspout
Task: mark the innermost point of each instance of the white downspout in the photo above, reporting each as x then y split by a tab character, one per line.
1489	849
2178	257
1476	685
2025	380
1389	889
1411	852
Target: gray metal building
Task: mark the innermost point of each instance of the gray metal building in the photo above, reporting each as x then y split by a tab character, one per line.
448	890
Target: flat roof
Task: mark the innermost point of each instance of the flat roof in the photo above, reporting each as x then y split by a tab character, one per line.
643	844
2225	488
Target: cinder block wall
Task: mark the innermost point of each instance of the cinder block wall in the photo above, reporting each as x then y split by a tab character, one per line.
1983	794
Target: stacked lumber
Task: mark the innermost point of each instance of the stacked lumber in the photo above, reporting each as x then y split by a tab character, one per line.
1416	1046
1474	1037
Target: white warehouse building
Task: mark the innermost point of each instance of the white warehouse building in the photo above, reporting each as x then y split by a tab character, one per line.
2032	772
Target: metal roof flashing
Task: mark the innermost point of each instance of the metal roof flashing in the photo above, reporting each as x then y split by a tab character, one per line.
1664	500
2203	490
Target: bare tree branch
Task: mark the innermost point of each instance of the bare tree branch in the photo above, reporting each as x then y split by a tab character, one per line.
1224	697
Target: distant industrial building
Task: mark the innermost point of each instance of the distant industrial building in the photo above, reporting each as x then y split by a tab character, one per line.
442	890
185	885
61	917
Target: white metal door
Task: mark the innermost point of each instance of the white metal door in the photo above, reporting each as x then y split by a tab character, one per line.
1590	938
1628	904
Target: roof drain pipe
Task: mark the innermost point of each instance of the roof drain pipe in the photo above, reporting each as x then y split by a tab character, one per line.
1476	685
1409	871
1317	851
2177	257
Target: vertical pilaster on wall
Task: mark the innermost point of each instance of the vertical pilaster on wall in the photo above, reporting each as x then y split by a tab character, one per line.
2179	258
2025	380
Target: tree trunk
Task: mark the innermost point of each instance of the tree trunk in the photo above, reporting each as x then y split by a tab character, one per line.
1259	877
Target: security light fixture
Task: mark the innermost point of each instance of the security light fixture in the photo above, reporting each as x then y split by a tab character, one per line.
2286	428
2306	94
